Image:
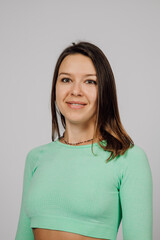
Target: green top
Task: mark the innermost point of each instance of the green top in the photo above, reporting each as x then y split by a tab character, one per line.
67	188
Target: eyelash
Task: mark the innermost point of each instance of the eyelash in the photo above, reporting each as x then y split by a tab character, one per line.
86	80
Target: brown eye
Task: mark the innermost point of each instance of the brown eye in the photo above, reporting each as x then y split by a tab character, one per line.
62	80
94	82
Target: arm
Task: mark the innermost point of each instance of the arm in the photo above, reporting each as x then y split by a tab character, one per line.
136	197
24	231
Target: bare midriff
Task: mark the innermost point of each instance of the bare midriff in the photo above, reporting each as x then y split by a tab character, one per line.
47	234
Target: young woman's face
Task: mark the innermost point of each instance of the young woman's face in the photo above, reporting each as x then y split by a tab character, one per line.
77	81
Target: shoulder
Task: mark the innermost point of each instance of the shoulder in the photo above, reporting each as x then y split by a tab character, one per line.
133	168
134	155
34	153
134	160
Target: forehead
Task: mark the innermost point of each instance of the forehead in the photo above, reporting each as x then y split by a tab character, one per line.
77	64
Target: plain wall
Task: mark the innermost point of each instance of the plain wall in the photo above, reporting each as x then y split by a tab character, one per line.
33	34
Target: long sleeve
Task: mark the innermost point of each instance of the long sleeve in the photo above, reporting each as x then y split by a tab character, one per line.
24	231
136	197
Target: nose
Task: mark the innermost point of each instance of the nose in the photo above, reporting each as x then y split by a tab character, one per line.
76	89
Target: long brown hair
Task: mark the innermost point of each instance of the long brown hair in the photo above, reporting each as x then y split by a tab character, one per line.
108	124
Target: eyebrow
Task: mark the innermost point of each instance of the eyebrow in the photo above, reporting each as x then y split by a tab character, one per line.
84	74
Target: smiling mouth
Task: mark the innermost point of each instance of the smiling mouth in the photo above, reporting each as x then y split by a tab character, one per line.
76	105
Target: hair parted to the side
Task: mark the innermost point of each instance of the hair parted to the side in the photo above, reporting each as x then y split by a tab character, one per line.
108	123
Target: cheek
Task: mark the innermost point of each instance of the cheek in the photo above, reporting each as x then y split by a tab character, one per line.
94	96
60	93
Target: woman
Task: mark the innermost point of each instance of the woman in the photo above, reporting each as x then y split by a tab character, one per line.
71	192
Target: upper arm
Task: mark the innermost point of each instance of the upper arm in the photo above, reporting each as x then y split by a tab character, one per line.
24	231
136	196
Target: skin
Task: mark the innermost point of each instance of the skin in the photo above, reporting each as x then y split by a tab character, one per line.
79	122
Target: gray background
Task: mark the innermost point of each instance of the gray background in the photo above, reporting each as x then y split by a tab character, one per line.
33	34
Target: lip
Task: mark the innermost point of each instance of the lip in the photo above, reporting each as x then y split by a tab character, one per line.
78	102
75	106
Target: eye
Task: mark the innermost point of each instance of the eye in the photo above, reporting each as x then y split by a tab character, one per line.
63	79
92	81
67	79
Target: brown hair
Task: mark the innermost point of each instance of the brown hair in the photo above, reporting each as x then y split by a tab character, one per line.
108	124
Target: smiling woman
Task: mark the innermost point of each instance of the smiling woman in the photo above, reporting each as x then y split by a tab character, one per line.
78	92
71	192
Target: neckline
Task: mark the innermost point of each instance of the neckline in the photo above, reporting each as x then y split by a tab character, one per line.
76	146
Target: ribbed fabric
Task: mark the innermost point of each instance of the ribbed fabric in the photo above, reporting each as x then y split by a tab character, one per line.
68	188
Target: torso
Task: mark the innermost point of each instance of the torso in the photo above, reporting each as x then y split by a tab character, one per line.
47	234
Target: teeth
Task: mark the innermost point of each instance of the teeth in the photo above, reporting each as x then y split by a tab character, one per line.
76	104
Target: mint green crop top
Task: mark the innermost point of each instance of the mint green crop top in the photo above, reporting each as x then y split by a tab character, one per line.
67	188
